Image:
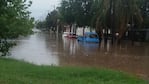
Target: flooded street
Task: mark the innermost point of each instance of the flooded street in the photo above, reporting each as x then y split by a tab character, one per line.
49	49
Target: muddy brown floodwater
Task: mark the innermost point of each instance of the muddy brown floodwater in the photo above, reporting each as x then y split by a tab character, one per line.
50	49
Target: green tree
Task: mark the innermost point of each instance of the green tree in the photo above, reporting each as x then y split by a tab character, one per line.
117	14
76	12
41	25
67	11
52	18
106	14
145	12
14	21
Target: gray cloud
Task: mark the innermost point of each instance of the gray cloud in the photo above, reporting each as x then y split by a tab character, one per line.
40	8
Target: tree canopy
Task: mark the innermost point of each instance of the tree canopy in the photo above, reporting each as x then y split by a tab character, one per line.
14	21
52	18
102	14
110	14
76	11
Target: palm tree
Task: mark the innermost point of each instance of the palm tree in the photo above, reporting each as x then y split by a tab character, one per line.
126	12
117	14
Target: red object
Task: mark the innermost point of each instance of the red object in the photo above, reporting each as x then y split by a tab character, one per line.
72	36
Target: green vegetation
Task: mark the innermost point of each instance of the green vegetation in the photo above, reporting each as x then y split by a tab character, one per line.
16	72
51	21
115	15
15	21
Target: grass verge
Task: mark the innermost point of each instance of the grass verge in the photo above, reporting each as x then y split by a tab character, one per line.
16	72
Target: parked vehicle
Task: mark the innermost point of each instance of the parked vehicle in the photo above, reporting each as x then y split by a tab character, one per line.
69	35
89	37
65	34
72	36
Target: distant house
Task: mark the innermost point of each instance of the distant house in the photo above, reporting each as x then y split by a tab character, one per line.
86	29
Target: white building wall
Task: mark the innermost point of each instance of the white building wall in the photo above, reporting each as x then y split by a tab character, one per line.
80	30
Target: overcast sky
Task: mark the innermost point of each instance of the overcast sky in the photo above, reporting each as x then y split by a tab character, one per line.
40	8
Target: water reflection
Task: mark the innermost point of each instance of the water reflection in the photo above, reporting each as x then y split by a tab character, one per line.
50	49
33	49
